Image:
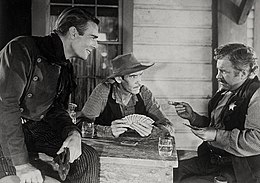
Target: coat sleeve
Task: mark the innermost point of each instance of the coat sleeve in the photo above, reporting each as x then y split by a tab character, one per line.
96	102
58	118
14	66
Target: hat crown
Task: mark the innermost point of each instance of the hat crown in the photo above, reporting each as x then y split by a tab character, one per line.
124	62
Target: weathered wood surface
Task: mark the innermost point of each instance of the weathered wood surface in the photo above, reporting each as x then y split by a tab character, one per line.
142	163
177	36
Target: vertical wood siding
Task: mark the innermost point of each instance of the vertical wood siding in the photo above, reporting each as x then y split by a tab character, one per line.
177	36
250	28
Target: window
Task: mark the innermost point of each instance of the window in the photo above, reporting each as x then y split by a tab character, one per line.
115	37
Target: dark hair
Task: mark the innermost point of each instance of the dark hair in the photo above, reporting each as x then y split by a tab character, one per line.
240	55
74	16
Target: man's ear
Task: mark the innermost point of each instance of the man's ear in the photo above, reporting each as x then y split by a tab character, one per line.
118	79
245	74
73	32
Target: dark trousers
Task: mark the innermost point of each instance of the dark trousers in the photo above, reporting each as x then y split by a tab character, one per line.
40	137
201	170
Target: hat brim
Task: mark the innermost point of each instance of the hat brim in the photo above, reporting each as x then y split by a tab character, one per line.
131	70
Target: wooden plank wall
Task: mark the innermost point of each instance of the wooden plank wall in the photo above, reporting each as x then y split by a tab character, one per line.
177	36
250	27
251	30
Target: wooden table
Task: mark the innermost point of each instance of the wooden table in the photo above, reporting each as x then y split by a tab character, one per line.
128	164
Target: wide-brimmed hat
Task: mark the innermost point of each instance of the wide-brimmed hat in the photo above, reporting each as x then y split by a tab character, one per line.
127	64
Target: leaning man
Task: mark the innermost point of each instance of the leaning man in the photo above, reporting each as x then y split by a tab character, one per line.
36	79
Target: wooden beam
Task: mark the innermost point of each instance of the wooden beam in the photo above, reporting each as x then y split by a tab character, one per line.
236	10
128	9
257	29
245	7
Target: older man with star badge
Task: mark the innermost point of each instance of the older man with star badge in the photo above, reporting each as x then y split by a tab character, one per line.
231	132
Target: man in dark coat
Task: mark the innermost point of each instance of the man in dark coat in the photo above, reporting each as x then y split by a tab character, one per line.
36	79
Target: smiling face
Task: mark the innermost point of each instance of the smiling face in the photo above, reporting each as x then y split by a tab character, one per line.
82	45
132	82
228	77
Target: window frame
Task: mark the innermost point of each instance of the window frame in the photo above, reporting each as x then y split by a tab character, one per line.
41	16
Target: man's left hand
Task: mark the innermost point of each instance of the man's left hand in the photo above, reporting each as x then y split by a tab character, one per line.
206	134
73	142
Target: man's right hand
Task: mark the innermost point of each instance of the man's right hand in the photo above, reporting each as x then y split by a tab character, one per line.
184	110
28	173
118	127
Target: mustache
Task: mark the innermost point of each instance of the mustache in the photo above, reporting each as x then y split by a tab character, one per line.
222	81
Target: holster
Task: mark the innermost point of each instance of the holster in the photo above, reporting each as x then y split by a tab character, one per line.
215	155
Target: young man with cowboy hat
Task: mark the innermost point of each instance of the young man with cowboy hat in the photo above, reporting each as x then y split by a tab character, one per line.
120	96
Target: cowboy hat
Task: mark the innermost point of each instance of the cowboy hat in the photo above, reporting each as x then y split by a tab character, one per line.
127	64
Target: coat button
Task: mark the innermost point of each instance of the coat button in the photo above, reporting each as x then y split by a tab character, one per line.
35	78
39	60
42	116
29	95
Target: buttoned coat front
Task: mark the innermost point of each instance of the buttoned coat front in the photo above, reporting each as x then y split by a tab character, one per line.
35	83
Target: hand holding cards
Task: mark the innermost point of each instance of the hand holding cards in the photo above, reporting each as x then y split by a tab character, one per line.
140	123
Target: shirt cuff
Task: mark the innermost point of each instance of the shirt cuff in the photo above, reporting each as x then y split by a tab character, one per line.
20	159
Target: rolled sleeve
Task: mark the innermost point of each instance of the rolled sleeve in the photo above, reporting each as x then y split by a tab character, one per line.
96	102
154	110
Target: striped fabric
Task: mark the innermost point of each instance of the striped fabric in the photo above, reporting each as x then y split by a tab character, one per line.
6	167
40	137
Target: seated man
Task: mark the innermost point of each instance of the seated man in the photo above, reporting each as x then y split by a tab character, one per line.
231	132
122	94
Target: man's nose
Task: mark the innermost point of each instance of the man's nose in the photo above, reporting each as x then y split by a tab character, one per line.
95	44
218	76
139	82
139	79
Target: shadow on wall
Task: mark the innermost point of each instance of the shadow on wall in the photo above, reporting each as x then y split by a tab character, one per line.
15	19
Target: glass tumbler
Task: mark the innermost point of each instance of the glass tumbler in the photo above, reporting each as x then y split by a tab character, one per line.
88	129
165	146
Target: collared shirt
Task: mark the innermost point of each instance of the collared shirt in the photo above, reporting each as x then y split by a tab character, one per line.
97	101
215	114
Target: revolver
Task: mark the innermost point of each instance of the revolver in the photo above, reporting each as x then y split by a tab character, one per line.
62	164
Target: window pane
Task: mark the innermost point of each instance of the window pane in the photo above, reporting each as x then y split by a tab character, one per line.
108	2
89	9
84	2
105	53
61	1
56	10
108	12
108	27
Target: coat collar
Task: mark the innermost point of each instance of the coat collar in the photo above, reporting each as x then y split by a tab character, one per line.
51	47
